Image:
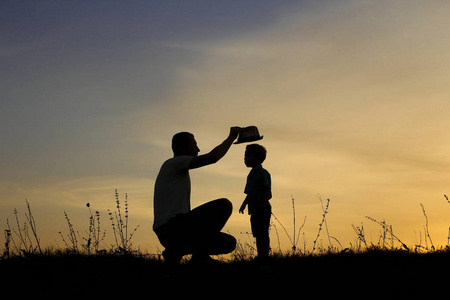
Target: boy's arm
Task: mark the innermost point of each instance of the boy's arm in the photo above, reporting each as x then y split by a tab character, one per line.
244	204
266	193
265	196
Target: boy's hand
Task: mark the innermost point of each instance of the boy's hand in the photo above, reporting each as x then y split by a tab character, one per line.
241	210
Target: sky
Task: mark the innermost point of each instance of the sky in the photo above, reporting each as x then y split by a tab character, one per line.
350	96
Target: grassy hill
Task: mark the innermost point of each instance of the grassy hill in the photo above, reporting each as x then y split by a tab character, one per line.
388	269
368	274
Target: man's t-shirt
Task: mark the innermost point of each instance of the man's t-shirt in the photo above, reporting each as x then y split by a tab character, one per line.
172	195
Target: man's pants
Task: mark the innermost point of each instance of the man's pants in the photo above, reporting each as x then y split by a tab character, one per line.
198	231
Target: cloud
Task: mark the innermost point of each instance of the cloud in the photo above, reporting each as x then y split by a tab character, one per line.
357	74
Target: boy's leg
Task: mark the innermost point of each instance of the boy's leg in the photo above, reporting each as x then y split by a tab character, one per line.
263	245
260	222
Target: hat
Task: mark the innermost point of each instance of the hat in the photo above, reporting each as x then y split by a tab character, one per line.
248	134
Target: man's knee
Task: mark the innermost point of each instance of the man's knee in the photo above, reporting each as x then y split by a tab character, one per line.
225	205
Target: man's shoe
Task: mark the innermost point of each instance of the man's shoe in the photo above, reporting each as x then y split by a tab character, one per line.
203	259
171	257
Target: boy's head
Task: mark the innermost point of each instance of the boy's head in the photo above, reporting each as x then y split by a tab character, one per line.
254	155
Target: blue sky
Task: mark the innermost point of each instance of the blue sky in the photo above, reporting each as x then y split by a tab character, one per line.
73	71
351	97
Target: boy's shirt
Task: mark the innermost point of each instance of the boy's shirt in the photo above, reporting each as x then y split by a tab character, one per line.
257	181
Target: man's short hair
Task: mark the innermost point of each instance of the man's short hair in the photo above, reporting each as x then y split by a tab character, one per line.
258	151
180	141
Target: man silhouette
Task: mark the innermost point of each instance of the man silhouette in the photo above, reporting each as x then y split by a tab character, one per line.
182	230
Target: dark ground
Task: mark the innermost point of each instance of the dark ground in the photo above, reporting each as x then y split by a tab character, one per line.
373	274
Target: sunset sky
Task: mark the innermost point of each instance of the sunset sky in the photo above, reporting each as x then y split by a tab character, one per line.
352	98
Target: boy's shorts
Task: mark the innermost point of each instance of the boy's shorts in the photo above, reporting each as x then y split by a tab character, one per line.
260	221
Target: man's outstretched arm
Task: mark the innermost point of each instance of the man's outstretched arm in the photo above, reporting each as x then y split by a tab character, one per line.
217	153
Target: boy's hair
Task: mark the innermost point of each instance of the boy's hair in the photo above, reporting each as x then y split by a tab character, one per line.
180	141
258	151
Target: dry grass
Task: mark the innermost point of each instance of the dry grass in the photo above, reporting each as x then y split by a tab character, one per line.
374	272
89	267
21	239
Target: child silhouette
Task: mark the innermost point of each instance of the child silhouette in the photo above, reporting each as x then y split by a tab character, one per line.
259	192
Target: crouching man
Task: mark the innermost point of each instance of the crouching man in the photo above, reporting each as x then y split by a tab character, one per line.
182	230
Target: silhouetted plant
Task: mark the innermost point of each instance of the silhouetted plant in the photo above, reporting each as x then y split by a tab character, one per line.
120	227
71	242
325	211
28	242
448	235
295	238
426	230
243	251
95	237
361	236
6	251
387	229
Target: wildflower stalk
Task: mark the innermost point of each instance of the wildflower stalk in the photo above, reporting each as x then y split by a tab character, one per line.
71	236
120	228
385	226
427	232
23	233
32	224
293	215
325	211
325	219
283	228
6	252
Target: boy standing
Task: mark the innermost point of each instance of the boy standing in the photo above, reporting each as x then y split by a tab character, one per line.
259	192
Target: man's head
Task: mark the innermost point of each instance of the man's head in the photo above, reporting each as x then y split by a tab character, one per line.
254	155
183	143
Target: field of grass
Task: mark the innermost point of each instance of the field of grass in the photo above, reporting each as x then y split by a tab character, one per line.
371	273
85	268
